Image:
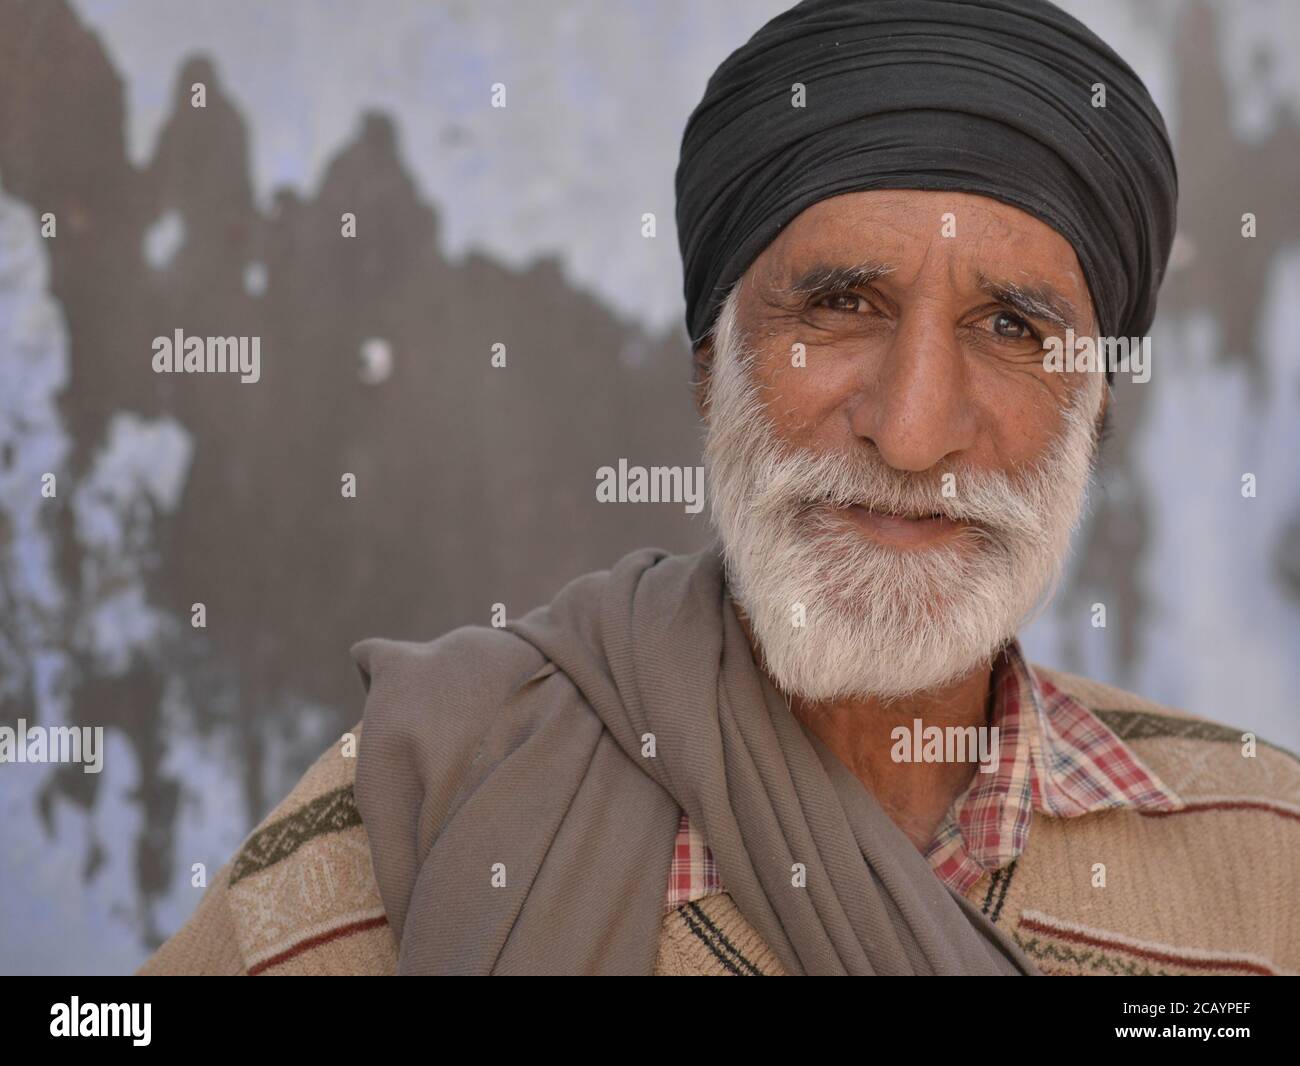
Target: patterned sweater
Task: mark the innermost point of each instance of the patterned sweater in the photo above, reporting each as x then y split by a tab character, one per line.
1211	888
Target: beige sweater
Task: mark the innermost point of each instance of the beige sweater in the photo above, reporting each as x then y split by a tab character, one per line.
1213	889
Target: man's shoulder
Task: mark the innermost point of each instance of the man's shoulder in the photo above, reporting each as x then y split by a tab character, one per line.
465	650
428	703
299	895
1204	887
1204	760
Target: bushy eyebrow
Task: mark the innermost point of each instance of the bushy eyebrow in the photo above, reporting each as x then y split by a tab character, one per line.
1039	301
822	279
1032	301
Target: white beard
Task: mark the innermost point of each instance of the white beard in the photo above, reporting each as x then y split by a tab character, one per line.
879	622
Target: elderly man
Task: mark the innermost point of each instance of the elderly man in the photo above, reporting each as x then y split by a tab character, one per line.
816	747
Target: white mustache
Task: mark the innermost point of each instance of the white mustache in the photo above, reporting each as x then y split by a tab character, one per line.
799	482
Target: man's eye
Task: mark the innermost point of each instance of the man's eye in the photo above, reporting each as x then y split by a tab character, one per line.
845	300
1011	326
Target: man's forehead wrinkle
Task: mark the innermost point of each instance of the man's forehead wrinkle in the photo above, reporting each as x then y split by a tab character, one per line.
1028	278
986	218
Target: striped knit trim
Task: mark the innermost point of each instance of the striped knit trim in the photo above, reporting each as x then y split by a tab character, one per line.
1048	939
1202	804
999	885
718	943
314	938
1143	725
328	813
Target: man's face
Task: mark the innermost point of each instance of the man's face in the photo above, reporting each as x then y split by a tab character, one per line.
895	474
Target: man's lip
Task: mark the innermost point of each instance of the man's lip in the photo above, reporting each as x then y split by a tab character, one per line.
903	531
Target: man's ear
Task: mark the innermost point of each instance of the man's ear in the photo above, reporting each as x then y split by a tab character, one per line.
702	371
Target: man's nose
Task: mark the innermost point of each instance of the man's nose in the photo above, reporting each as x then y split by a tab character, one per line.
915	405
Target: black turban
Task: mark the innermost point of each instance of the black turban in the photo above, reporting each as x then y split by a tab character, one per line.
993	97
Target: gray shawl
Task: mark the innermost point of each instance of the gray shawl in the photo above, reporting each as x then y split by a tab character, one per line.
522	787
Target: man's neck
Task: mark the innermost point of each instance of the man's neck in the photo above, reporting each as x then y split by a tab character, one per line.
916	794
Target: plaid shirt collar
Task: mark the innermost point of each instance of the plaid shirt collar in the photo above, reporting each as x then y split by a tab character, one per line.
1055	757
